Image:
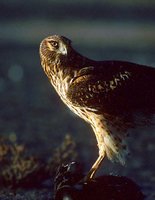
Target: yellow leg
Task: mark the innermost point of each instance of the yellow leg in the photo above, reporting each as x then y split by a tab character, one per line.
94	168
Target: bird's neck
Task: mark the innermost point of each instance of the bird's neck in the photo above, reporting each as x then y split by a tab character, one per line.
63	69
78	61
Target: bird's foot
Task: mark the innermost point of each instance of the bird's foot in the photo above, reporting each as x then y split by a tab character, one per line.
89	177
93	170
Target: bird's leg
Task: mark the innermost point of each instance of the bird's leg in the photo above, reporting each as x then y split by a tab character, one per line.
100	141
94	168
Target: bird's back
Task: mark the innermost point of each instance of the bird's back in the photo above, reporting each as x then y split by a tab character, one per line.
115	87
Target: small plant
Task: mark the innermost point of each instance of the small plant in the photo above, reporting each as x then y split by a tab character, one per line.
17	169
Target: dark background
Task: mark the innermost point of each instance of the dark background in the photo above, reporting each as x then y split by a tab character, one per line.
31	111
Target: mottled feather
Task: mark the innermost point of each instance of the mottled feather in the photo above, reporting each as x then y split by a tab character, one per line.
112	96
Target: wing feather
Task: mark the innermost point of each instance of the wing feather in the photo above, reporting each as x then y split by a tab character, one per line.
113	86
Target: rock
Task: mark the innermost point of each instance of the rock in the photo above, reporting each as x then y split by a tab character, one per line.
68	186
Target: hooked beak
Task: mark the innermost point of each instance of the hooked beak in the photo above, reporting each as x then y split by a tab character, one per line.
63	49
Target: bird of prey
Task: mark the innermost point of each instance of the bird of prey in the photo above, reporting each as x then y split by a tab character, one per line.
112	96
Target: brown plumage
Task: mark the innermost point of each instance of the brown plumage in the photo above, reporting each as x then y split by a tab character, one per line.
112	96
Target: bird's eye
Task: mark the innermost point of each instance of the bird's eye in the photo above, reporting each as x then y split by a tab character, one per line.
54	44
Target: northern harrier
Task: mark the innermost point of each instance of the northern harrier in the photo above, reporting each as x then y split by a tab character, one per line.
112	96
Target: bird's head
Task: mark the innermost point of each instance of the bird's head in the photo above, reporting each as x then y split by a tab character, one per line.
54	47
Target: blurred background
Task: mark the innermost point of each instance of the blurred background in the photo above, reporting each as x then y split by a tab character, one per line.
31	111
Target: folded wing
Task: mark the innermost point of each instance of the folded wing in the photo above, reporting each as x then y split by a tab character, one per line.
113	87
